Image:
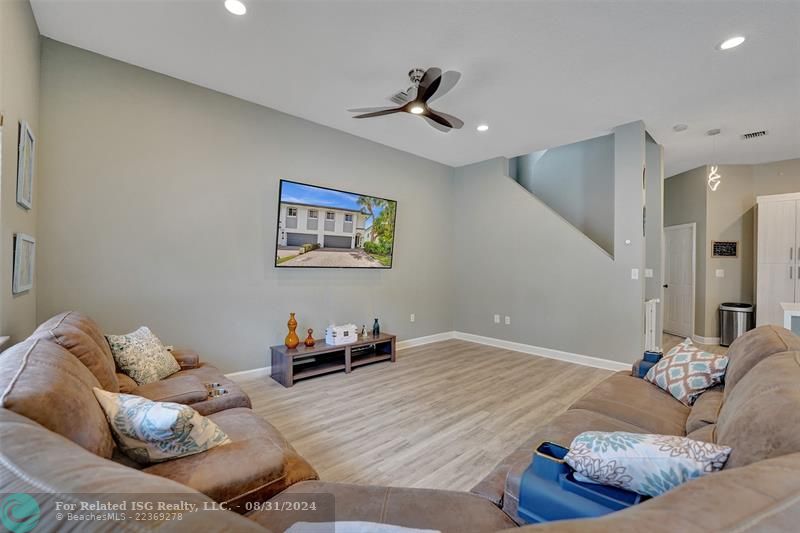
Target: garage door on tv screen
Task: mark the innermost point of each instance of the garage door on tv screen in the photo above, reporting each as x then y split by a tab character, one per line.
327	228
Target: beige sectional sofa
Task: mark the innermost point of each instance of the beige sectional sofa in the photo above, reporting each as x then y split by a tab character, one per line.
54	442
49	379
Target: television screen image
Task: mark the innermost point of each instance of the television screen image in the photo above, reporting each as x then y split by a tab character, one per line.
320	227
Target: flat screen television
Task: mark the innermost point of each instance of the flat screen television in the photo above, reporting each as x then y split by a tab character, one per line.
320	227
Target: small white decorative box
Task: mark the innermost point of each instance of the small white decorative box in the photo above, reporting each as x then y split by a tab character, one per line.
337	335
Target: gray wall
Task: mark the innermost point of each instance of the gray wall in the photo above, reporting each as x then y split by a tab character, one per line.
685	202
19	100
515	256
780	177
727	214
577	181
654	239
731	216
158	205
731	212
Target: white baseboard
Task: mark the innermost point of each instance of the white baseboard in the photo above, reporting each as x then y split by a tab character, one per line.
585	360
420	341
264	371
705	340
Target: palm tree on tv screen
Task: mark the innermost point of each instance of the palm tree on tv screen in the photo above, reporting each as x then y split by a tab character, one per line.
383	222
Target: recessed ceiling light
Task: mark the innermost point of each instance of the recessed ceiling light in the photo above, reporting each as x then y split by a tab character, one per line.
680	127
417	109
482	127
733	42
236	7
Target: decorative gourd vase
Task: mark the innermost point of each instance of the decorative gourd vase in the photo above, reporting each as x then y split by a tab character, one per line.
310	339
292	340
376	328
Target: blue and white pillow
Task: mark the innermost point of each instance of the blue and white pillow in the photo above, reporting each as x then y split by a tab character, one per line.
647	464
686	372
151	432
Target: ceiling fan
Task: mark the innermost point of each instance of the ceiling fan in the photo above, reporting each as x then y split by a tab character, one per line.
426	86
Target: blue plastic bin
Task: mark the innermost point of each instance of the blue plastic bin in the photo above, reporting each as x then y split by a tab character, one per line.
548	491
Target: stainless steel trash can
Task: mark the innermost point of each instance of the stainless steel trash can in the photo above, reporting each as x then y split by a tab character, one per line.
734	320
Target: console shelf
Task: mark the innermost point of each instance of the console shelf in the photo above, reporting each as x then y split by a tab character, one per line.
290	365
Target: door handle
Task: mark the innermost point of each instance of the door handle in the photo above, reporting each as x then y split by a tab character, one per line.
666	286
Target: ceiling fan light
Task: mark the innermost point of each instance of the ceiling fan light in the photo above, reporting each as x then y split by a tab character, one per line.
417	109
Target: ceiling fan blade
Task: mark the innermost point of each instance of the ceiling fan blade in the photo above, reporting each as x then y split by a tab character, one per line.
429	84
380	113
438	126
455	122
368	109
432	115
449	80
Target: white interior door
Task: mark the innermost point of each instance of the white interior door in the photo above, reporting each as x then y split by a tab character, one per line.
679	279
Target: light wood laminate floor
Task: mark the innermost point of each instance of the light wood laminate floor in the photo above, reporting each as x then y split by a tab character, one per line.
442	416
670	341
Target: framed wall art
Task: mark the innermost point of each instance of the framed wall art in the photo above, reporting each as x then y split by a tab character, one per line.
25	164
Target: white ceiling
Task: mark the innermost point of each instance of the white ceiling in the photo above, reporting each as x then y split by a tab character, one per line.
540	73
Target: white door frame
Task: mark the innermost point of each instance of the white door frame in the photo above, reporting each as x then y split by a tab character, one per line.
693	226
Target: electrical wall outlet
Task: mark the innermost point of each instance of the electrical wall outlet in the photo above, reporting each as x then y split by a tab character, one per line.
496	319
720	273
648	272
634	273
508	320
412	318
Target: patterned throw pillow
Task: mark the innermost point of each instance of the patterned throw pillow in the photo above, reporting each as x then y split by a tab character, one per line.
646	464
142	356
151	432
687	371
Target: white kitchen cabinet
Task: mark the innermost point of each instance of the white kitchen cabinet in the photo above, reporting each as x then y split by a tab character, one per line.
777	249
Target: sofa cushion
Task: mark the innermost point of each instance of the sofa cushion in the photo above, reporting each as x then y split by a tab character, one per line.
561	430
705	410
153	432
126	384
46	383
52	469
256	465
704	434
210	374
185	357
83	338
761	417
637	402
186	389
442	510
142	356
753	347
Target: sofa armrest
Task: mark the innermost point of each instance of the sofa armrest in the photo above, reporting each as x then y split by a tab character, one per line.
186	358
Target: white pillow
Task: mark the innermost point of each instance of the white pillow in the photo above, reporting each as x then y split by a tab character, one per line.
141	356
646	464
151	432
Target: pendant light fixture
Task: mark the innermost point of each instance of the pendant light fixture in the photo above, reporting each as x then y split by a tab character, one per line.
714	178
